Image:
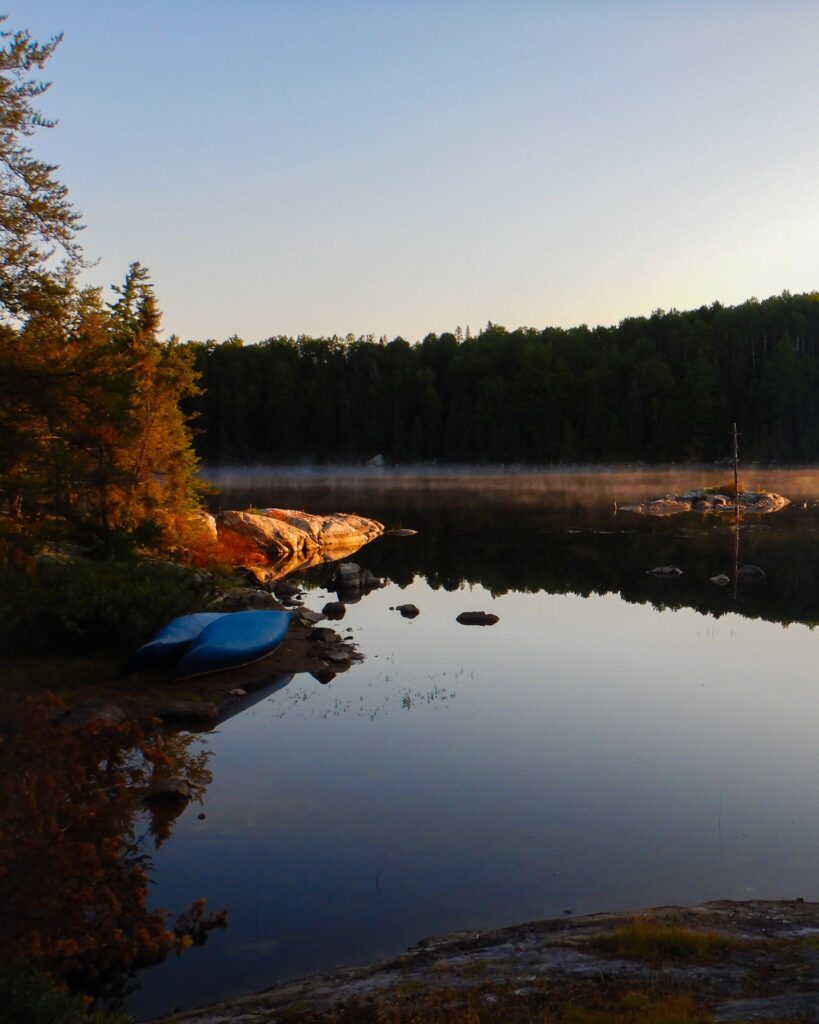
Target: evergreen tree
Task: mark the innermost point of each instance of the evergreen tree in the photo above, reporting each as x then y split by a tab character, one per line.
37	222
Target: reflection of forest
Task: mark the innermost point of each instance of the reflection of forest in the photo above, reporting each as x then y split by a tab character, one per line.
74	868
594	551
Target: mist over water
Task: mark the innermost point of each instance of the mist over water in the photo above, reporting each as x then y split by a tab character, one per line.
615	741
582	485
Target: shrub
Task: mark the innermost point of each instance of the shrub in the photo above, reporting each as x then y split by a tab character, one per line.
32	997
107	605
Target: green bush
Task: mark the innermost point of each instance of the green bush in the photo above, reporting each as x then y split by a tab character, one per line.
107	605
31	997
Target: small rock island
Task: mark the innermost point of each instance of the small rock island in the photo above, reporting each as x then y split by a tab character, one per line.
706	499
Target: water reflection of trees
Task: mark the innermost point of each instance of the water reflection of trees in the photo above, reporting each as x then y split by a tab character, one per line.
592	551
74	873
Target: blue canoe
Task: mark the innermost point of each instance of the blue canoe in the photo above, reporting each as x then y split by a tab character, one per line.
234	639
166	648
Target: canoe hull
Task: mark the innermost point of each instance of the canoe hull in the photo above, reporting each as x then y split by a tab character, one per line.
168	645
233	640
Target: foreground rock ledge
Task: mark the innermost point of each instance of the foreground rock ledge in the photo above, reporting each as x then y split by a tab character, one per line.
766	969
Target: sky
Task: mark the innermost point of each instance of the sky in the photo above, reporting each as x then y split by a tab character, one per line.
406	166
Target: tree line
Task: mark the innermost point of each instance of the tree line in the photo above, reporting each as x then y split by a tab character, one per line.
661	388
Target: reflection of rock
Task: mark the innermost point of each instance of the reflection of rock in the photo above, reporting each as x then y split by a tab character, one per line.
665	570
721	580
751	574
324	635
702	500
288	564
189	712
409	611
324	676
351	582
169	790
477	619
99	713
400	533
285	589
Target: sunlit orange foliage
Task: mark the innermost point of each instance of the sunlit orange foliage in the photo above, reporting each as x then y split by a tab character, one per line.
73	881
223	553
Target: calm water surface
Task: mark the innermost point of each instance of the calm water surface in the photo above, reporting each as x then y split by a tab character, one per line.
615	741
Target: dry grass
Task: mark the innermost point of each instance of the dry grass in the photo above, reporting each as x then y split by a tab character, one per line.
645	939
505	1005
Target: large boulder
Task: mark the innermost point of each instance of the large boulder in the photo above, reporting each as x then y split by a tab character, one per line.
281	532
272	536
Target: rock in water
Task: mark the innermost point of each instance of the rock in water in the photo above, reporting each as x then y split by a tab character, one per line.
334	610
409	611
477	619
285	589
721	580
665	570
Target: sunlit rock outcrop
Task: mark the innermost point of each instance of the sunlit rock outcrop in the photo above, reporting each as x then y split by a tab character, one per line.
291	539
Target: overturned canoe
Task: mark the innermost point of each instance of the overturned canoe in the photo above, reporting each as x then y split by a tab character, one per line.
166	648
232	640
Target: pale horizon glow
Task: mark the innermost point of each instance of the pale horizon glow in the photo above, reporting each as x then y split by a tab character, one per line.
305	167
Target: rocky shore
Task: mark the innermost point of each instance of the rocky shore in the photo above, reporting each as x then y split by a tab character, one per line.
725	961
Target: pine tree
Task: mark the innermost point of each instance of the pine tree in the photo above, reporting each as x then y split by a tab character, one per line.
37	221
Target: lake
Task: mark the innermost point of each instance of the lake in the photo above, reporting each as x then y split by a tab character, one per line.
615	741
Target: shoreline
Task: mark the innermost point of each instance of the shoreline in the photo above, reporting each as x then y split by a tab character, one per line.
729	960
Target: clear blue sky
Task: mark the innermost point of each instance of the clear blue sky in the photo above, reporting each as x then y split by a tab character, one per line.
392	166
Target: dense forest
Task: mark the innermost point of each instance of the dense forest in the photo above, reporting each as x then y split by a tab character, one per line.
660	388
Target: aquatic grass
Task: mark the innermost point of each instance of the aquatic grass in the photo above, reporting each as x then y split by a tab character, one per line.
645	939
